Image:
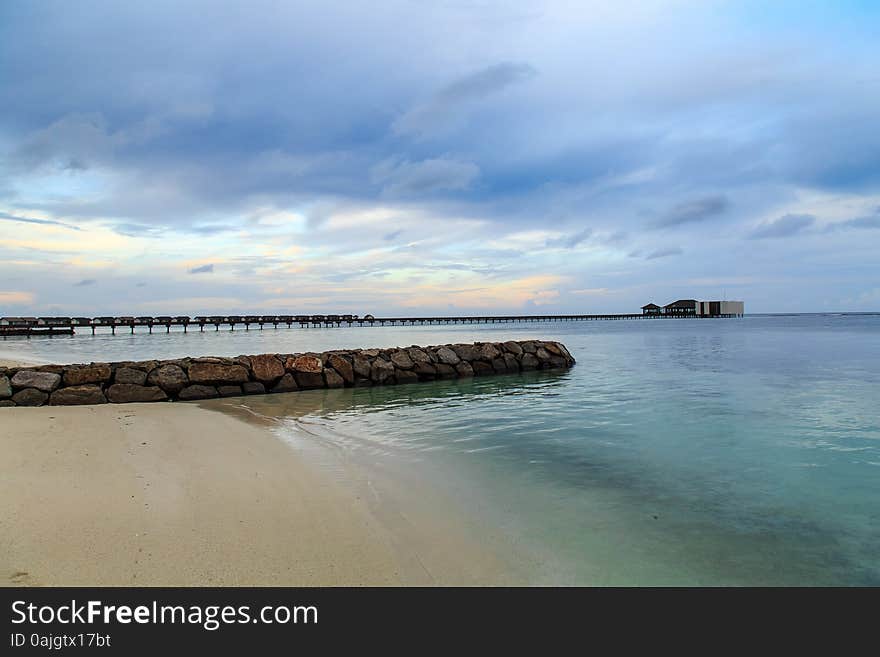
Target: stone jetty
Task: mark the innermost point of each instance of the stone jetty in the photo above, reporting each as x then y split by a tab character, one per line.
188	379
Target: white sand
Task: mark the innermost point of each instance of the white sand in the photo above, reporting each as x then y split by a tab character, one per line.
176	494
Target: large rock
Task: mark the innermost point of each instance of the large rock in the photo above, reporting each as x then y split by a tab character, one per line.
285	384
267	368
362	365
196	392
464	369
445	371
406	376
309	380
4	403
425	371
130	375
5	387
123	393
500	365
381	370
401	360
78	396
448	356
217	373
417	355
94	373
482	368
489	352
542	354
255	387
343	367
529	362
171	378
511	362
466	352
528	347
553	348
333	379
229	391
307	364
30	397
513	348
42	381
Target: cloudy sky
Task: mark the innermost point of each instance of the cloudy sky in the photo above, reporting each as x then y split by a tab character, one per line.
446	157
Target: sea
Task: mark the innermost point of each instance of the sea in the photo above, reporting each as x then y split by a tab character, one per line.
740	451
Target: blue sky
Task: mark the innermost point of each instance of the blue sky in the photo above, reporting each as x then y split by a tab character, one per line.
448	157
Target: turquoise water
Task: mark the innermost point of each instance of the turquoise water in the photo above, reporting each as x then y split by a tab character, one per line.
675	452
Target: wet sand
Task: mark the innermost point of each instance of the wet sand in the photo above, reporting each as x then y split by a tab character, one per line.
180	494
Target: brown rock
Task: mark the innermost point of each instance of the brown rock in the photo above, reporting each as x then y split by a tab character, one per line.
489	352
362	365
309	380
542	354
558	362
448	356
123	393
417	355
406	376
401	360
513	348
94	373
78	395
171	378
499	365
466	352
553	348
445	371
217	373
229	391
511	362
5	387
196	392
333	379
130	375
6	403
464	369
425	371
482	368
54	369
285	384
343	367
529	362
528	347
381	370
256	388
267	368
42	381
308	364
30	397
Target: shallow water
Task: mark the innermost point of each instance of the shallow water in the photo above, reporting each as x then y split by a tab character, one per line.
675	452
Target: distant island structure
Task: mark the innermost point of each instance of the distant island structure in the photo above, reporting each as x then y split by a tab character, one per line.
694	308
10	326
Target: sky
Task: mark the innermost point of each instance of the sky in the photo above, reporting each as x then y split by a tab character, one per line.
437	158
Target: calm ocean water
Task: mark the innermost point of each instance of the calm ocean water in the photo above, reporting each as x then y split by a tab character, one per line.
721	452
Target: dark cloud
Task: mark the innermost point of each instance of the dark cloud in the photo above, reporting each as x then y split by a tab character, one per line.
203	269
694	211
444	106
29	220
85	282
664	253
868	221
785	226
570	241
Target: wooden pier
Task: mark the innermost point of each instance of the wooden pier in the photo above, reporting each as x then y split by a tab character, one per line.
69	325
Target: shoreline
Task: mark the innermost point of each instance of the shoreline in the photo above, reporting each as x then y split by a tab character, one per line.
187	495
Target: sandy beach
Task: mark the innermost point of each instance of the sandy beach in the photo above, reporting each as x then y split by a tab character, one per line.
180	494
